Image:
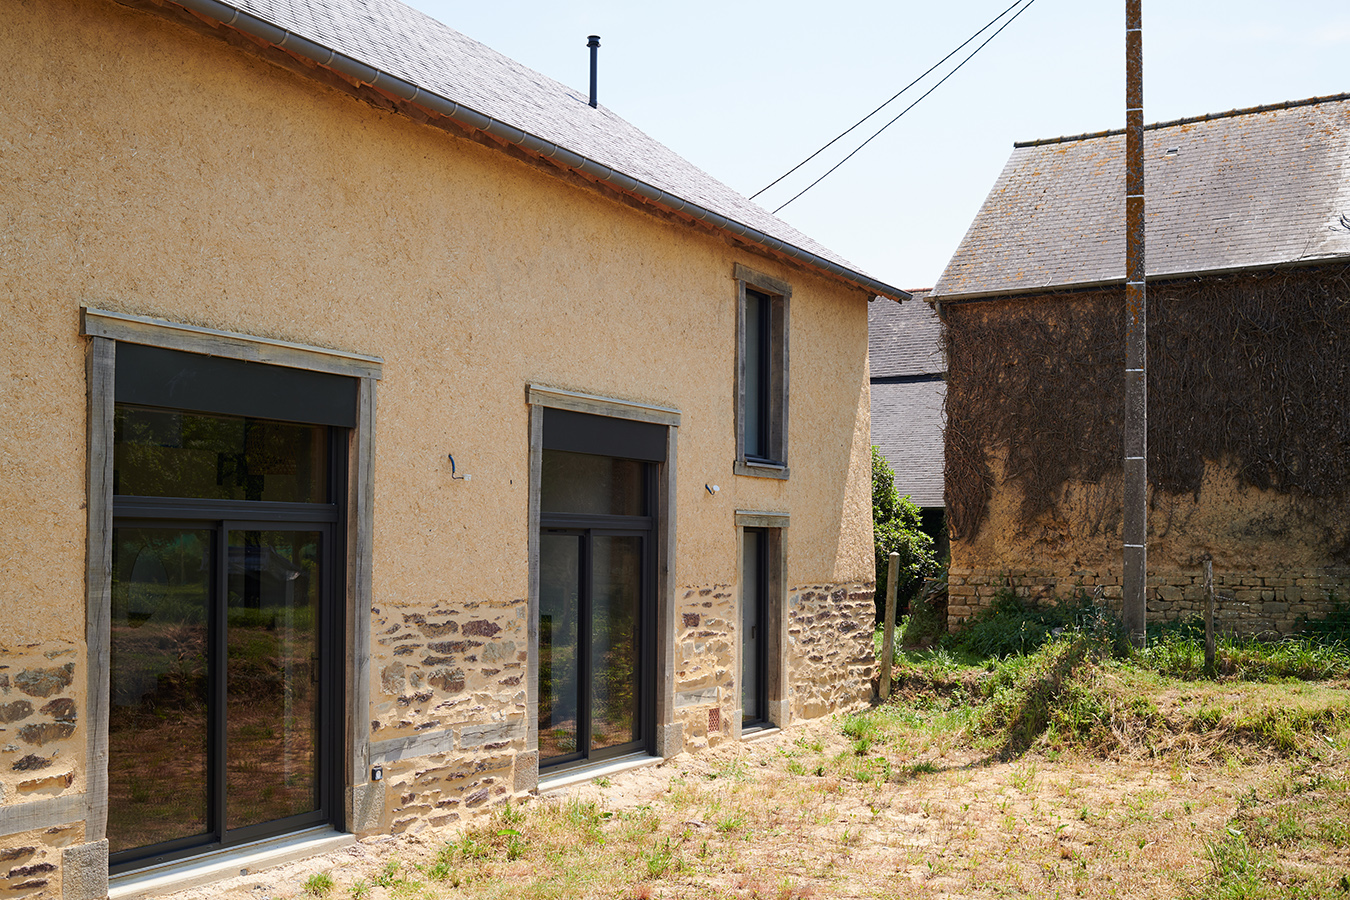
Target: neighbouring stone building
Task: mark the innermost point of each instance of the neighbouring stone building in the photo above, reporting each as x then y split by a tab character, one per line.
387	432
1248	251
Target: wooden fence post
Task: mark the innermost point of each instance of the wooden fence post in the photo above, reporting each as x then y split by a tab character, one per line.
888	635
1209	615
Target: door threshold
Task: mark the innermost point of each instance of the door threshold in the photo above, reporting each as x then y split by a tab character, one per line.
229	863
590	772
759	733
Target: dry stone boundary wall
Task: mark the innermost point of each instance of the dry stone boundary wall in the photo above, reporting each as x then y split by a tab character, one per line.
1250	604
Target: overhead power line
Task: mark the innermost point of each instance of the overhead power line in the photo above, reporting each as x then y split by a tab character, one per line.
878	132
887	103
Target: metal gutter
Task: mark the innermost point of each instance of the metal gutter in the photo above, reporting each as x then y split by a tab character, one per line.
1189	120
406	90
1078	287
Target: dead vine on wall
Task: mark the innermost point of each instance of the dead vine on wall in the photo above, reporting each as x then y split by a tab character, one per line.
1248	371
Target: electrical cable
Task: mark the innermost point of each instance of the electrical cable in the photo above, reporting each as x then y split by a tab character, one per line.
908	108
888	102
878	132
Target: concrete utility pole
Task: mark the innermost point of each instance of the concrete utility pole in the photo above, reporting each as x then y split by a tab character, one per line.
1135	574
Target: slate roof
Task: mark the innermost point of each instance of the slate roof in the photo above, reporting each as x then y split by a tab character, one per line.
904	338
904	352
396	40
907	426
1242	190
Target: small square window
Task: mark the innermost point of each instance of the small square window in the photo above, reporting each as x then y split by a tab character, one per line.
761	374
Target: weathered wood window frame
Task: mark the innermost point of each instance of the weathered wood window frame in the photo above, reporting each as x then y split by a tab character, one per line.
772	526
769	344
362	799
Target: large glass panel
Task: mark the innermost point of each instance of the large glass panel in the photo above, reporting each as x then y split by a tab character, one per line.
616	564
752	588
559	653
756	312
157	723
595	485
272	710
163	453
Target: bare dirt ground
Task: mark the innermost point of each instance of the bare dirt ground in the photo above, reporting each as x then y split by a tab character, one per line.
802	814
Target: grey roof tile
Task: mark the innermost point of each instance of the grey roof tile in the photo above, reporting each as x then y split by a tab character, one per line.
904	338
907	425
1250	189
401	41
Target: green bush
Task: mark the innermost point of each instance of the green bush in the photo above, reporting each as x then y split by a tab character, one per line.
896	529
1335	628
1010	626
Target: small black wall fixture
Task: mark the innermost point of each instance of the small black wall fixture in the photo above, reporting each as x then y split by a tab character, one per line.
593	41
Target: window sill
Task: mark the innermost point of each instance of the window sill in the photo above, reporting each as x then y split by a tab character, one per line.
760	470
222	864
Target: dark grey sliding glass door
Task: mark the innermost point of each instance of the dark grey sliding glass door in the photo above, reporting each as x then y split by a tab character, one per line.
225	698
217	640
595	608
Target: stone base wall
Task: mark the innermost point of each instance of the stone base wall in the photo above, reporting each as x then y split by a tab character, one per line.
707	703
435	791
41	742
449	712
1247	603
830	655
31	863
827	662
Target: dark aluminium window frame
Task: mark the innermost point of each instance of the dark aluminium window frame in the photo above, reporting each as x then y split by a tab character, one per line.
761	374
774	705
760	601
587	528
644	443
666	734
220	518
357	802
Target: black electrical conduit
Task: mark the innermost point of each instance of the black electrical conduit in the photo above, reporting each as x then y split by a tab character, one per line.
362	73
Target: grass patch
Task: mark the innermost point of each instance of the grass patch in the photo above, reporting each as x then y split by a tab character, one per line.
1178	651
320	884
1072	770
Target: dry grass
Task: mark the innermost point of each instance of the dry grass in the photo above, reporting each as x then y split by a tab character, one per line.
1180	789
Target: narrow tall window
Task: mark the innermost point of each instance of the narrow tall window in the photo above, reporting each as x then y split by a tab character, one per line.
754	618
759	619
758	352
761	375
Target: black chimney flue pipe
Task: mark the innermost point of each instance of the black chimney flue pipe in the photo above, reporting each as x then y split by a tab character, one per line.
593	41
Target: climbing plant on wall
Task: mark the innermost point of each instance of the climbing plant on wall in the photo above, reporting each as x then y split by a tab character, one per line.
1250	372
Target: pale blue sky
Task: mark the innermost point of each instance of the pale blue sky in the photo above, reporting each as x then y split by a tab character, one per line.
745	89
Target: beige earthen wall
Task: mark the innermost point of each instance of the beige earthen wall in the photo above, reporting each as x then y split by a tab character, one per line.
1272	570
156	171
1275	563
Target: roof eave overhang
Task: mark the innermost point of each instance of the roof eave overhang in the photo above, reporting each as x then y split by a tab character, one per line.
1078	286
392	84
